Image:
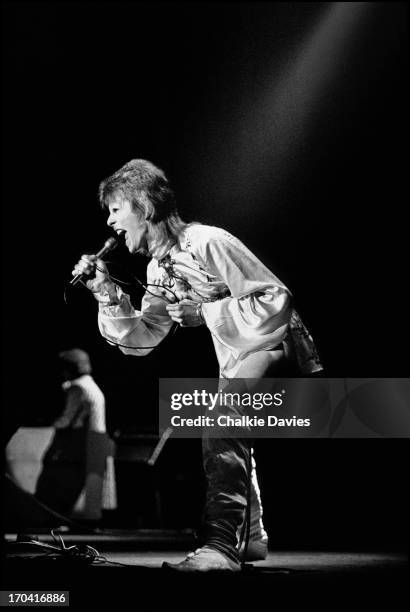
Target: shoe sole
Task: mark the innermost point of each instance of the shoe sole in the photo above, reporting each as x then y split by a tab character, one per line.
174	568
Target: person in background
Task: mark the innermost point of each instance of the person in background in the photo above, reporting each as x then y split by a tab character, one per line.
66	482
84	404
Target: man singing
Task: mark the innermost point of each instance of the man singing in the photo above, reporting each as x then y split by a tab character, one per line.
200	275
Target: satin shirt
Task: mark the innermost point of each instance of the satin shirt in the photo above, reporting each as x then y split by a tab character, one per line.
245	306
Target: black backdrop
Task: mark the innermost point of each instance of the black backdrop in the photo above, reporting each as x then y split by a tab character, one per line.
89	86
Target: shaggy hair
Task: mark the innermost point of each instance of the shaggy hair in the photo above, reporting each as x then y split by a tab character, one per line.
147	189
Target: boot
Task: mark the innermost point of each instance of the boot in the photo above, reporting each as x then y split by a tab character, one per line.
257	549
205	559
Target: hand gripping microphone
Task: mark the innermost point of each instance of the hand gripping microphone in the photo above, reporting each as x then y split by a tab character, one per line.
109	245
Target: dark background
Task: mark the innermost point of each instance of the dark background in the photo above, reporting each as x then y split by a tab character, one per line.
291	134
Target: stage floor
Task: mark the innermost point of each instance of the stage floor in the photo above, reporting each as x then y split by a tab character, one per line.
132	576
290	561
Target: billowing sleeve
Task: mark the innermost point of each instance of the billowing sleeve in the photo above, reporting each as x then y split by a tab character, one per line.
122	324
256	315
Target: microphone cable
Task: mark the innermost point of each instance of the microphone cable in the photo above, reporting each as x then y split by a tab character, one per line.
76	554
145	287
168	267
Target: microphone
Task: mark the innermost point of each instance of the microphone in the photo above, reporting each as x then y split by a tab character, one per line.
109	245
